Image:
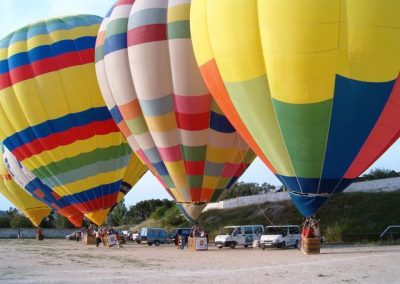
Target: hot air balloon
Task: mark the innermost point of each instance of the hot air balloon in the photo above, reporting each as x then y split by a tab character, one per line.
133	173
312	86
32	208
53	115
149	79
28	181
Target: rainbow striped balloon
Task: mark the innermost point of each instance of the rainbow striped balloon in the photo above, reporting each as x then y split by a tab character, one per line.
152	86
310	85
53	115
32	208
28	181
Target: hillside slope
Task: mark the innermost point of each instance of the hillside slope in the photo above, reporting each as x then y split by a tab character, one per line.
350	217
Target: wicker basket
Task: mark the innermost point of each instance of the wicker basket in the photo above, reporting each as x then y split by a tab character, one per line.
89	240
310	245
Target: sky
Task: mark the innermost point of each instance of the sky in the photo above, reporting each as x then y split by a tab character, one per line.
17	13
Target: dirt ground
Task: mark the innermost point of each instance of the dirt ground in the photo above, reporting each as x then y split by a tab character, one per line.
62	261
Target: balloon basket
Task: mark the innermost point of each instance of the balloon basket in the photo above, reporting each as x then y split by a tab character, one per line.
39	237
197	243
89	240
110	240
310	245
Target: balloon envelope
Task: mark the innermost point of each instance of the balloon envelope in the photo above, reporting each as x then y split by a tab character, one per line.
312	86
152	86
28	181
53	115
32	208
133	173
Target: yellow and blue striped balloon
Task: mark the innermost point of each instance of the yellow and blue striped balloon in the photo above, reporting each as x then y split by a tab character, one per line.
312	86
53	115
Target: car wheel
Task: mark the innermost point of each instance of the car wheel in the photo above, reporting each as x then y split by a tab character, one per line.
283	245
246	246
220	247
263	247
149	244
157	243
296	244
232	245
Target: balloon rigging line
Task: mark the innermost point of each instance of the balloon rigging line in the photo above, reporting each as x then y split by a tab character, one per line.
262	212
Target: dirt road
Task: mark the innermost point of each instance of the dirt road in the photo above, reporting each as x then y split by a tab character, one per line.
61	261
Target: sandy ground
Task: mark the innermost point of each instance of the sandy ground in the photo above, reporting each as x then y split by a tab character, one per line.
61	261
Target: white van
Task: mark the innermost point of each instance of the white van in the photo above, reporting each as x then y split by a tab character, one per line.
231	236
280	236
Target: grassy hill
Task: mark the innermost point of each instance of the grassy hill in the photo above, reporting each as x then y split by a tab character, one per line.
350	217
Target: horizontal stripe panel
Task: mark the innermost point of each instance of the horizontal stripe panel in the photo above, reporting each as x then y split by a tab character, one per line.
179	30
157	107
147	34
46	51
94	193
193	122
171	154
93	157
44	28
116	26
70	136
47	65
147	17
115	43
87	170
116	114
56	126
192	104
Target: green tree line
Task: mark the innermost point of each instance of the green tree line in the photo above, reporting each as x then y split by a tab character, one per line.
159	209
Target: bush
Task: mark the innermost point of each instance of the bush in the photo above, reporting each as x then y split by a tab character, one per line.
5	221
173	217
159	213
334	233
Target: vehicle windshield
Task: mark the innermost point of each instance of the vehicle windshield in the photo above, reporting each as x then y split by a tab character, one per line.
227	231
274	231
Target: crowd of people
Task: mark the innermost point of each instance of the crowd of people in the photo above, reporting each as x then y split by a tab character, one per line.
310	228
181	241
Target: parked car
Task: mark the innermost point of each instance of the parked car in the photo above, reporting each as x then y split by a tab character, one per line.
155	236
134	236
72	236
232	236
280	236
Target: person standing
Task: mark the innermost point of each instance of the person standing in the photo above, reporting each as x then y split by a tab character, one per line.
98	238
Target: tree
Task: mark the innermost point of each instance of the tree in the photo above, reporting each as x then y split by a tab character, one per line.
244	189
12	212
19	221
142	210
48	222
117	214
5	221
174	217
379	173
61	222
